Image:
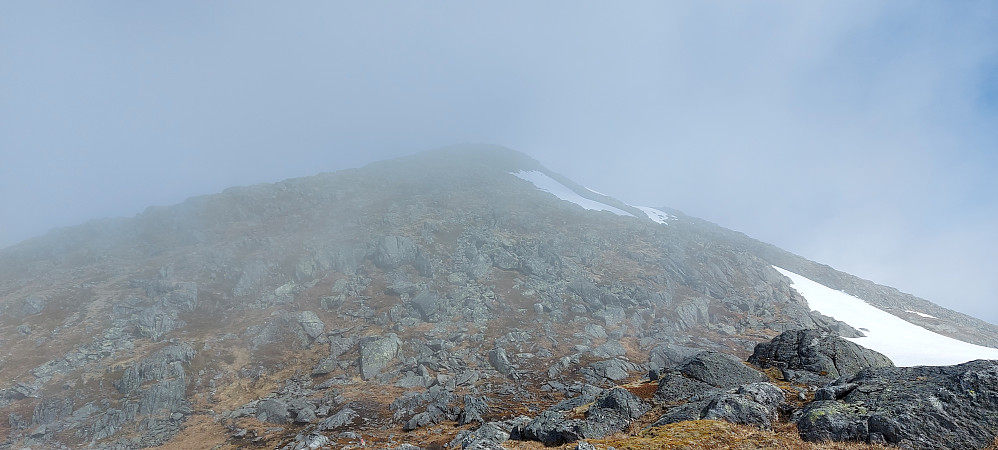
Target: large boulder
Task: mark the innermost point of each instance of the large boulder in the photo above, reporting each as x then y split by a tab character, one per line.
667	356
376	352
622	401
720	370
817	352
930	407
756	404
498	359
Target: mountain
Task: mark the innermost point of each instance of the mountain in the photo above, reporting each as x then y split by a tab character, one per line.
466	295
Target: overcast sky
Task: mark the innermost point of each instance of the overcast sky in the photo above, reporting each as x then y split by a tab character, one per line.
861	134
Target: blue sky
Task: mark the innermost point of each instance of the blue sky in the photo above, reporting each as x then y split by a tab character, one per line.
861	134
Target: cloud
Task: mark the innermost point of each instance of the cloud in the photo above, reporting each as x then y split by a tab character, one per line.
857	133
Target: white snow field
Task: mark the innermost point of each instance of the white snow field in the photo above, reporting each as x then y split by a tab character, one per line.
548	184
656	215
903	342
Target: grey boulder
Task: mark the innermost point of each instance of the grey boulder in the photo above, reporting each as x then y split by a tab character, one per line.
925	407
817	352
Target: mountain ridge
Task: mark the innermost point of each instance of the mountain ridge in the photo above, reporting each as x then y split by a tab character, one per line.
429	279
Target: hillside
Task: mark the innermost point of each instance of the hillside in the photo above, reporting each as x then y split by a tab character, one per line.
405	302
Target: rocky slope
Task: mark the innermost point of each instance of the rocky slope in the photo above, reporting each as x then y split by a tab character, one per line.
431	300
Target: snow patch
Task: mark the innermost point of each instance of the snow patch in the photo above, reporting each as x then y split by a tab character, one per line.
903	342
548	184
656	215
927	316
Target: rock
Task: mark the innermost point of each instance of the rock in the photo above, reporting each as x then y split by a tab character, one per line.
333	302
393	251
156	322
489	436
342	418
50	409
272	411
608	412
674	387
437	405
376	353
693	314
325	366
301	411
670	356
622	401
474	409
315	441
180	296
756	404
820	353
609	349
720	370
499	361
550	428
427	304
311	325
164	364
32	305
611	369
825	420
505	260
933	407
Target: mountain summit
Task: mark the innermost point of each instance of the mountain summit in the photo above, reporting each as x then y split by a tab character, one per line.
467	297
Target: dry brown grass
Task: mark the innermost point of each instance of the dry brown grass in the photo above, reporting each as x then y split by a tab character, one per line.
711	434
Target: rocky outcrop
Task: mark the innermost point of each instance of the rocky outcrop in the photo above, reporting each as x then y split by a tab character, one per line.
950	407
393	251
717	386
756	404
820	353
609	412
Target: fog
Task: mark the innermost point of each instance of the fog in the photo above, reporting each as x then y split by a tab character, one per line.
860	134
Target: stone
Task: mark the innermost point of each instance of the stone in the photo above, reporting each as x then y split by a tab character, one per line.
393	251
670	356
755	404
474	410
489	436
427	304
622	401
311	325
720	370
498	359
342	418
818	352
32	305
611	370
376	352
272	411
935	407
674	387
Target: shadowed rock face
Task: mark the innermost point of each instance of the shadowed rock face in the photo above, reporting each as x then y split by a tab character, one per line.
818	352
951	407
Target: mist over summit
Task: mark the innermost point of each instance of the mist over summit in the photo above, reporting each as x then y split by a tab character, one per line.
466	296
